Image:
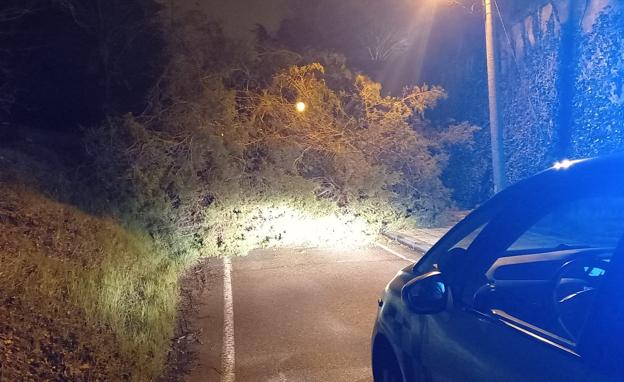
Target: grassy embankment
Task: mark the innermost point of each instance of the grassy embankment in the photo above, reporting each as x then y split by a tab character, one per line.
80	296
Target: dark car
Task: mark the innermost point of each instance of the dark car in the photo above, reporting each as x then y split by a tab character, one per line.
528	287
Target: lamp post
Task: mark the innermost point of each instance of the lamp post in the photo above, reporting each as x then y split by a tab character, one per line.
496	129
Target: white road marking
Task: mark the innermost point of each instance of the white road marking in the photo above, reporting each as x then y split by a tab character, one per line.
395	253
228	351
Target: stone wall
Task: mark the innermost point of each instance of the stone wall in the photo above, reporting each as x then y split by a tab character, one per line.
561	83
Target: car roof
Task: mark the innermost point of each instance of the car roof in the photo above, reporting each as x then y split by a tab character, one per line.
570	176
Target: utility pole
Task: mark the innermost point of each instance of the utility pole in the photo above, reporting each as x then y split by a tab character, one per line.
496	130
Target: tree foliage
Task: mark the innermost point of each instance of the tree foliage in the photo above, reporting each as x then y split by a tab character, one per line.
223	145
66	63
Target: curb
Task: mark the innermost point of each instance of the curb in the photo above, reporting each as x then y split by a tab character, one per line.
407	241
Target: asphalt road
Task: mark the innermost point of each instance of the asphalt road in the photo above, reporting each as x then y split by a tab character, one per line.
298	315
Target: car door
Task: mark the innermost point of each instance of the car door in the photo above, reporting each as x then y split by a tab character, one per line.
602	342
501	325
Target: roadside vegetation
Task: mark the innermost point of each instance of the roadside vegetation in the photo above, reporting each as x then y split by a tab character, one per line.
215	161
83	299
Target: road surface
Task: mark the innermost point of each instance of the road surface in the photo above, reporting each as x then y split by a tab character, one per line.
292	314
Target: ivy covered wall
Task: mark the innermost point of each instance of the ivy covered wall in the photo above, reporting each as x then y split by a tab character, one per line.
598	102
562	83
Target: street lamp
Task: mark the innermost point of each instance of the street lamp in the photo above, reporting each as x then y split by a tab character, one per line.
300	106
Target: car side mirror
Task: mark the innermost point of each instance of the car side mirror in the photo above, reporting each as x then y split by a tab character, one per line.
426	294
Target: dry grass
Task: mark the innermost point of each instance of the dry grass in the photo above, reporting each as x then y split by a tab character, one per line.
110	290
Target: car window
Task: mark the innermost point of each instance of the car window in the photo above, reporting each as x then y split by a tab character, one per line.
460	237
591	222
468	239
548	278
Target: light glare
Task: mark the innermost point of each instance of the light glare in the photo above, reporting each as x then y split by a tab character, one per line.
297	228
564	164
301	106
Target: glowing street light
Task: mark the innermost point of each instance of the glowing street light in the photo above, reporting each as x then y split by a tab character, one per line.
300	106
